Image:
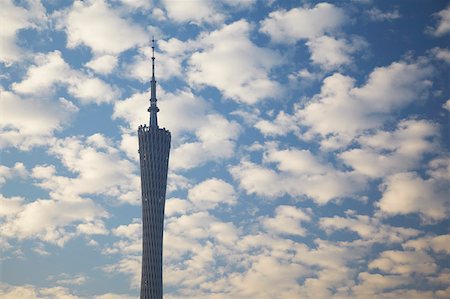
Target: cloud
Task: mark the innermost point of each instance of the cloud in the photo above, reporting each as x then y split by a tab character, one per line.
367	107
368	228
104	64
331	53
231	62
443	23
406	193
97	167
437	244
385	153
446	105
18	170
51	70
46	219
194	11
377	15
299	174
387	89
66	279
32	292
303	23
211	193
404	262
287	221
98	26
216	141
29	121
441	53
15	18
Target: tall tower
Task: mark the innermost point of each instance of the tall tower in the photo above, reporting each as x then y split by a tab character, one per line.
154	147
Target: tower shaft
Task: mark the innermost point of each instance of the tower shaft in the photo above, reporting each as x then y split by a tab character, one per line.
154	147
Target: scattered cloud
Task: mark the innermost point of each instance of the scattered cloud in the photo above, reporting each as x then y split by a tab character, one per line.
29	121
193	11
287	221
441	54
377	15
385	153
331	53
231	62
98	26
303	23
52	71
47	219
300	173
14	19
211	193
406	192
104	64
443	23
98	169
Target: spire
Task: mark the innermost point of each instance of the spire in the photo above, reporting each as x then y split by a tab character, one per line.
153	109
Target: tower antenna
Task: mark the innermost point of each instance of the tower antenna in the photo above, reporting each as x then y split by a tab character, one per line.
153	109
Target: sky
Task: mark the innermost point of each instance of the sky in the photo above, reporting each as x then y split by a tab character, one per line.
310	147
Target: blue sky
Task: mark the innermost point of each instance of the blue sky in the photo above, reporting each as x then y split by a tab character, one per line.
309	147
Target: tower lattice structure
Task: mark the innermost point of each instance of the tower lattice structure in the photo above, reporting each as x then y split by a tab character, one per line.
154	148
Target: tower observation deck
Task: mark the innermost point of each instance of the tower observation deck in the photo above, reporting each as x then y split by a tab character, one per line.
154	148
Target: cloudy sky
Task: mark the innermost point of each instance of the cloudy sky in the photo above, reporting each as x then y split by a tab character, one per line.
310	147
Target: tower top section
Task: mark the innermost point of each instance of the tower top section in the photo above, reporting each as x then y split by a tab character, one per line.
153	109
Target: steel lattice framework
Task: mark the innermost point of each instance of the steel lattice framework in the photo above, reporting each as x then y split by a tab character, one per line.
154	148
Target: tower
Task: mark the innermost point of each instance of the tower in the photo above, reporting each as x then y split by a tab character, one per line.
154	147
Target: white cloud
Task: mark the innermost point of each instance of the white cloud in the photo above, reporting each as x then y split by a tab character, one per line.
32	292
302	23
280	126
66	279
232	63
176	206
404	262
385	153
98	169
138	4
437	244
441	53
376	14
374	285
211	193
405	193
443	24
369	229
104	64
193	11
216	141
446	105
299	173
51	70
46	219
331	53
287	220
99	27
31	121
16	18
6	173
10	205
387	89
